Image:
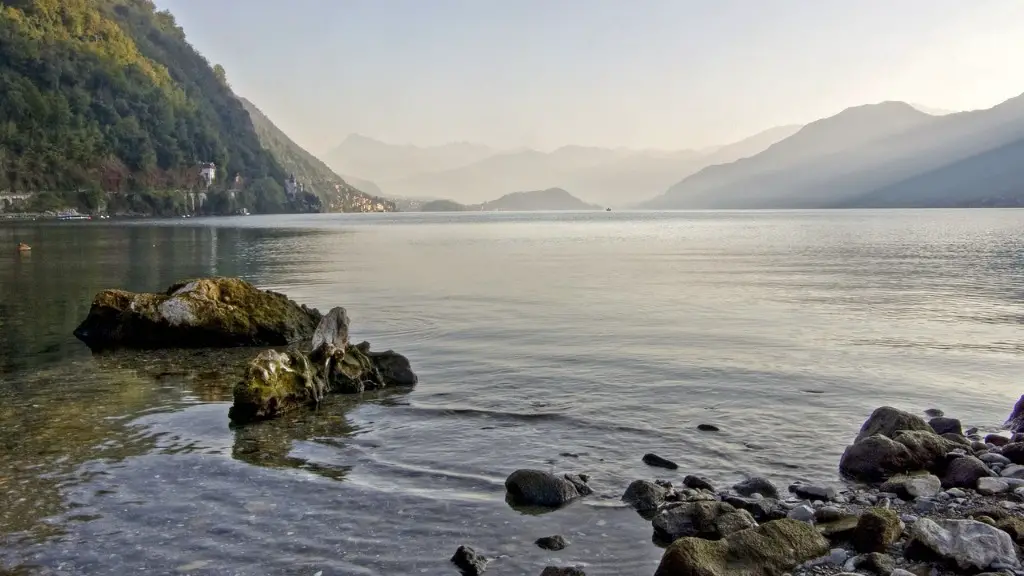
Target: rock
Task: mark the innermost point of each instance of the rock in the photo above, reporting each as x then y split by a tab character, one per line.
943	425
553	543
711	520
990	511
958	439
991	486
828	514
331	334
908	518
876	563
979	447
956	493
469	561
708	428
993	458
1014	452
204	313
768	550
887	421
837	556
901	572
644	495
909	487
698	483
934	413
763	509
876	530
874	459
543	489
928	450
840	528
972	545
557	571
659	462
1015	422
1012	471
925	505
756	485
803	513
810	492
277	382
1013	526
965	472
997	440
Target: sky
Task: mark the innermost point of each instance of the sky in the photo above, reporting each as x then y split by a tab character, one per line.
668	74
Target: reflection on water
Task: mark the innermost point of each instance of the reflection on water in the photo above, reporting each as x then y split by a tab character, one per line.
569	342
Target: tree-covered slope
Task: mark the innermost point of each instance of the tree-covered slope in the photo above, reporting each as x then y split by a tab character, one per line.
336	194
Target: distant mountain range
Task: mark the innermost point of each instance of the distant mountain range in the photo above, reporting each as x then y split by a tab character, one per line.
472	173
534	200
882	155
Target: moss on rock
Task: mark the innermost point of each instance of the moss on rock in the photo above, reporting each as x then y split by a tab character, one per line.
771	549
203	313
876	530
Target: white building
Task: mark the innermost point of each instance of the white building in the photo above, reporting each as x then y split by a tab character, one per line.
208	171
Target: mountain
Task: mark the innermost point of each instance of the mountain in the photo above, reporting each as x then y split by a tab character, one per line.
106	106
861	156
601	175
933	111
532	201
336	194
550	199
374	160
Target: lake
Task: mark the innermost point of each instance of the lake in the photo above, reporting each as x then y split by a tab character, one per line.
571	342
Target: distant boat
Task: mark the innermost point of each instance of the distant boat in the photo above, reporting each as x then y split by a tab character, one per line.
72	215
607	209
22	247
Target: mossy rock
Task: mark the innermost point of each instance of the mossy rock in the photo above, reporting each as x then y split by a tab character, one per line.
771	549
203	313
876	530
840	529
274	383
1013	526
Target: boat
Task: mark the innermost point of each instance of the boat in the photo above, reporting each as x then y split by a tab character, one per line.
22	247
72	215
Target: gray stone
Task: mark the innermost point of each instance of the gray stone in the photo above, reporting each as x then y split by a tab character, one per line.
811	492
802	513
901	572
659	462
544	489
1013	483
1013	471
838	556
924	506
971	544
710	520
1014	451
762	509
908	518
876	563
956	493
909	487
965	472
563	571
553	543
943	425
993	458
644	495
888	420
469	561
698	483
756	485
828	514
991	486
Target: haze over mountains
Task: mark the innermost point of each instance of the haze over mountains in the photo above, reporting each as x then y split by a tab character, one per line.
889	154
473	173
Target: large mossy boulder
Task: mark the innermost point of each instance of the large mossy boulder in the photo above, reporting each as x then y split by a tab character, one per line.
771	549
203	313
888	420
893	442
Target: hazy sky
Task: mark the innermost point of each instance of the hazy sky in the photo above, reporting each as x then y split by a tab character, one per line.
636	73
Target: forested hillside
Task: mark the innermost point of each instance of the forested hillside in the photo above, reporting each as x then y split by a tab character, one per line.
105	104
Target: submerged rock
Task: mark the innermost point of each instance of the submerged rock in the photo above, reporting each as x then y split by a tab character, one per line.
204	313
543	489
972	545
659	462
469	561
553	543
560	571
768	550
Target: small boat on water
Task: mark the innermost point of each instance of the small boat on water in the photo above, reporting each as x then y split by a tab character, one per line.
22	247
72	215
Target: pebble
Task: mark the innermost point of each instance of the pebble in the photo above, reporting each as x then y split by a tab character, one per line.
828	514
1013	471
838	556
956	493
803	513
841	499
908	518
1019	492
923	506
884	503
659	462
901	572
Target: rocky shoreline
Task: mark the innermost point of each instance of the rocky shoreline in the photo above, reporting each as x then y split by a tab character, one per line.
923	498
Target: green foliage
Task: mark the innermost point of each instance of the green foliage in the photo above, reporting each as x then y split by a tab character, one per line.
106	95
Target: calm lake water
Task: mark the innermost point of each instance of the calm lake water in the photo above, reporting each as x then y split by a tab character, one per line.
570	342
